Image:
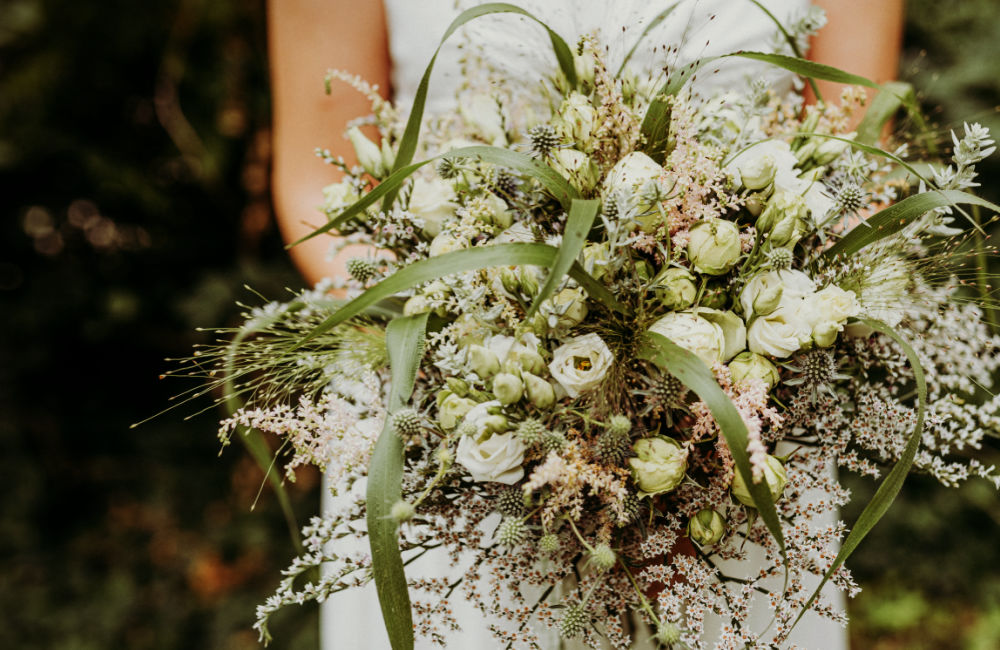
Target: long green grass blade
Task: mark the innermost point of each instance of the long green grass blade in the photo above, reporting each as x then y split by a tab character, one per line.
791	43
408	143
578	222
469	259
656	123
898	215
893	482
556	185
890	98
405	341
693	373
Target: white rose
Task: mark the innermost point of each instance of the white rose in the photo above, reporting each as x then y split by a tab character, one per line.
434	202
703	338
490	456
778	334
793	286
482	113
519	232
580	364
826	311
781	156
629	176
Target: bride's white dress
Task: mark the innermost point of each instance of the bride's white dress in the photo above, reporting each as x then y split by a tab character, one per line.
352	620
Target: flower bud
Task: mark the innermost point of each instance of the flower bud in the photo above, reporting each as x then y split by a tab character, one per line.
781	204
787	232
576	120
527	283
715	246
577	168
602	557
750	365
528	359
570	308
806	151
825	333
766	299
510	281
585	63
402	511
508	388
483	361
444	457
494	423
452	409
388	155
540	392
707	527
368	153
756	202
830	149
595	259
659	466
433	202
758	173
774	474
457	386
675	288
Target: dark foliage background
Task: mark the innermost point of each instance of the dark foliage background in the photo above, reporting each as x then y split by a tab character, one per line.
134	152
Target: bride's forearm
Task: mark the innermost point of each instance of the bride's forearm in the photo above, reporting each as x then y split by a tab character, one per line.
862	37
306	38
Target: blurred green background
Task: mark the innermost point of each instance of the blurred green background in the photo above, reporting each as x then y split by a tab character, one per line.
134	163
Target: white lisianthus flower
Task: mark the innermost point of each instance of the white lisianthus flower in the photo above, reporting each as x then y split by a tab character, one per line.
788	285
779	334
580	364
433	201
488	456
482	113
701	337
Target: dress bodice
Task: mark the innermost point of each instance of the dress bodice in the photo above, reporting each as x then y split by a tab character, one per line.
520	48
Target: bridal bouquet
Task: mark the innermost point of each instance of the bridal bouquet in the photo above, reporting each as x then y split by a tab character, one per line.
613	340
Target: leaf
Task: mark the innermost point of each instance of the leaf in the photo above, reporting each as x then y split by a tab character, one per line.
893	482
894	218
555	184
890	98
791	43
469	259
656	123
408	143
659	18
693	373
405	341
578	222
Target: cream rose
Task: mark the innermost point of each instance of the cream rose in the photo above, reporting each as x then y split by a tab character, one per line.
433	201
496	457
580	364
826	311
703	338
782	288
659	464
779	334
482	113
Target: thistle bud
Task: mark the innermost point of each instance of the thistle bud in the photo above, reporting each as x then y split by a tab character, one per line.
508	388
483	361
774	475
715	246
540	392
368	153
602	557
668	634
707	527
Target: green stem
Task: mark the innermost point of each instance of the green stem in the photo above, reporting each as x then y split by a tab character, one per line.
982	272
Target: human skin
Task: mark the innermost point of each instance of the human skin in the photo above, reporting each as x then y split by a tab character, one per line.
307	37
